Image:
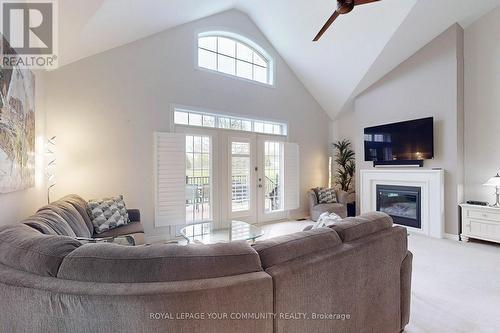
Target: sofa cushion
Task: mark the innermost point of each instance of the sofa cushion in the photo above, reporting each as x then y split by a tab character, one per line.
127	229
330	207
44	228
108	213
71	215
80	205
156	263
352	228
277	250
50	223
24	248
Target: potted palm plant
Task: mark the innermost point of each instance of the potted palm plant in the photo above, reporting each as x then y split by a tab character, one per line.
346	167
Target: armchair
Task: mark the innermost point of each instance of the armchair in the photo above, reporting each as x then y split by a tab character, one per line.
316	209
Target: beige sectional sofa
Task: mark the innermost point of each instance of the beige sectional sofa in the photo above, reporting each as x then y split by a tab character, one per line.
69	217
353	277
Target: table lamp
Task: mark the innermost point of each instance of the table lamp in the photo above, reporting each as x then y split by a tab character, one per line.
495	182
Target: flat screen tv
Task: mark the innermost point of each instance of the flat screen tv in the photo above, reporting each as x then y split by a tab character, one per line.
411	140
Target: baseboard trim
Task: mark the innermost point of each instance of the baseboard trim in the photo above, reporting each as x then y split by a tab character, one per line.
452	237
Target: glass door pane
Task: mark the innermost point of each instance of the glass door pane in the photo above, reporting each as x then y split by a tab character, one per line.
240	176
198	178
273	176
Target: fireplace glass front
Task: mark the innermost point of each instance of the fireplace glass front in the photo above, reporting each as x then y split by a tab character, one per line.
402	203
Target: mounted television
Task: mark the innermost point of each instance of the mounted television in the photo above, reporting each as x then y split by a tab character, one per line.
407	142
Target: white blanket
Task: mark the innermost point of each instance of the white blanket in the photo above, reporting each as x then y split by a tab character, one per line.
326	219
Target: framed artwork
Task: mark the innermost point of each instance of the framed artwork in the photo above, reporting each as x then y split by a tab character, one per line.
17	129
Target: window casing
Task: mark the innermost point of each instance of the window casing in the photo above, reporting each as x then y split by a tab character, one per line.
211	120
228	54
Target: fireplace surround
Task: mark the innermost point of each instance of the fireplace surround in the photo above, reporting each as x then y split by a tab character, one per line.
431	185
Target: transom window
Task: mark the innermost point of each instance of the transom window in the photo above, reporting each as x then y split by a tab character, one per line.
192	118
228	55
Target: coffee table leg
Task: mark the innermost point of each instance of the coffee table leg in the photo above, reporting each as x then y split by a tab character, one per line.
186	238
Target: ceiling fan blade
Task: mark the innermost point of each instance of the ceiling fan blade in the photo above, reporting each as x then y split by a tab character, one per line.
326	26
363	2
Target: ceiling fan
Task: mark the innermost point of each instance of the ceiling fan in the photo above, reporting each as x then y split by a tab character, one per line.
343	7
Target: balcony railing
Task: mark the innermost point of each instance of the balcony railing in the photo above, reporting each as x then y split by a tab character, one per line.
198	190
272	192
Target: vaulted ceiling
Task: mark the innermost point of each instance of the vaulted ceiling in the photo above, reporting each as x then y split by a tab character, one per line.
354	53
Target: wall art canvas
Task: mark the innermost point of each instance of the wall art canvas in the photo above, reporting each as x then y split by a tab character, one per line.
17	128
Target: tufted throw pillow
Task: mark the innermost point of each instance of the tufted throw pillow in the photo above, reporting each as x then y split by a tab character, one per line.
108	213
327	195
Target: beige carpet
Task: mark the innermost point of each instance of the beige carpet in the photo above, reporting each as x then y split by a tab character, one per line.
456	286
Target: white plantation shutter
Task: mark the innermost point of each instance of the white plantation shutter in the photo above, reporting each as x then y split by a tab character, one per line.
170	184
291	177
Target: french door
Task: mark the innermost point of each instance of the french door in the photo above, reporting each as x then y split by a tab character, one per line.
232	175
256	173
241	177
201	176
271	178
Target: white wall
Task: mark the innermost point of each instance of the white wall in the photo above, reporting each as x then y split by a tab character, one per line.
16	206
482	105
105	108
427	84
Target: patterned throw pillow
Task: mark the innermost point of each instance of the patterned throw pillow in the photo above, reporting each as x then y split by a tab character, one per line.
108	213
327	195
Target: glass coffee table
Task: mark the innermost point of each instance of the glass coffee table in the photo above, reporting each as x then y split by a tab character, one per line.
207	233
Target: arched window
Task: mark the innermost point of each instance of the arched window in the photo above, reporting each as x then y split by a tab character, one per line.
235	55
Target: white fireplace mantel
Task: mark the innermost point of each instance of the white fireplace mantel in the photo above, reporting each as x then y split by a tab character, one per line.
431	183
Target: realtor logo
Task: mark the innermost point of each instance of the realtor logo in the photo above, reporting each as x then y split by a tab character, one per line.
29	33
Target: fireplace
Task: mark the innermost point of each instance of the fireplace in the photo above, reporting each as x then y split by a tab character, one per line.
402	203
430	182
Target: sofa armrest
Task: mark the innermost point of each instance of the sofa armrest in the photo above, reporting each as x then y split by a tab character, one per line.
406	269
134	215
342	196
312	199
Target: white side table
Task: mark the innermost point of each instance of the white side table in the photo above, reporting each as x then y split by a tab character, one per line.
480	222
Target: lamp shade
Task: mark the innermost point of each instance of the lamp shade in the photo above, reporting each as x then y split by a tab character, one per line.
494	181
